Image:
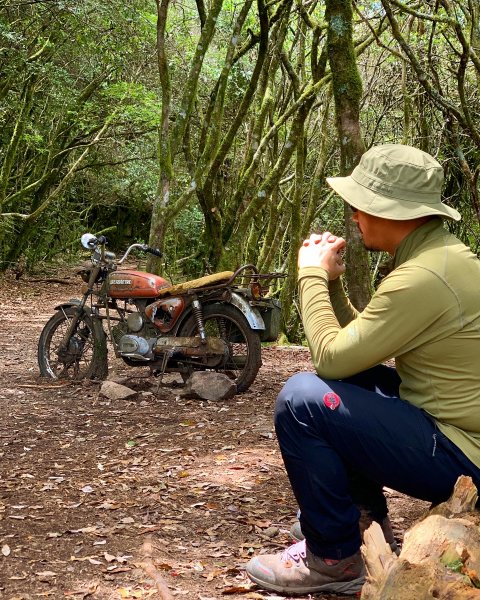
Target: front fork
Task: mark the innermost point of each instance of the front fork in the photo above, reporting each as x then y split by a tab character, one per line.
79	310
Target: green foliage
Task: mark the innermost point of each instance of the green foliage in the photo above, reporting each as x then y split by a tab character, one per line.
72	71
76	69
139	105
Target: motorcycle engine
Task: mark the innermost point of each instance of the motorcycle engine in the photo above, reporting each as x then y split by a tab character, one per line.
134	345
134	338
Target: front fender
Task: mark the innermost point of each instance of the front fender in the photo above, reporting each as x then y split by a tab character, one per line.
97	324
251	313
73	302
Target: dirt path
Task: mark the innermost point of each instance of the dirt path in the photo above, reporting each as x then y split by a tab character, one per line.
91	489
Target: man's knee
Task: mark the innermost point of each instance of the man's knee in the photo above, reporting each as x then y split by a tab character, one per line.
299	391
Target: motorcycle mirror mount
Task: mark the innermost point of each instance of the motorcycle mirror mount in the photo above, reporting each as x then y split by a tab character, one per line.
88	241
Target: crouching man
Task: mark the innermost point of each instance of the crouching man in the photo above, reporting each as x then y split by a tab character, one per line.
356	425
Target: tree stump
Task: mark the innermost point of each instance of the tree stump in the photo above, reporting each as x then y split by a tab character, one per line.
440	557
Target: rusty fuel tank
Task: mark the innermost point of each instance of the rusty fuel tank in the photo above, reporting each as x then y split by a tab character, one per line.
135	284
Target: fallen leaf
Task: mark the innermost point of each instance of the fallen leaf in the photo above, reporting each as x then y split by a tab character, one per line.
129	593
84	558
117	569
18	577
108	506
197	566
109	557
92	588
122	559
164	566
261	523
45	575
215	573
127	520
90	529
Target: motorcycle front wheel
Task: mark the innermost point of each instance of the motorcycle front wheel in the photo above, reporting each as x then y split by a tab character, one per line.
244	349
85	355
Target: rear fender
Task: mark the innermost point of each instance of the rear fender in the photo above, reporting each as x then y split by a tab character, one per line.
250	313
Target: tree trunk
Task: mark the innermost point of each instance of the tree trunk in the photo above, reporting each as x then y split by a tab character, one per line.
347	92
160	206
288	308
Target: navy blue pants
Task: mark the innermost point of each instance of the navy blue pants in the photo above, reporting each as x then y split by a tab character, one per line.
342	441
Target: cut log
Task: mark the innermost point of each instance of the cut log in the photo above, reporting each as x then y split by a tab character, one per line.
463	499
440	557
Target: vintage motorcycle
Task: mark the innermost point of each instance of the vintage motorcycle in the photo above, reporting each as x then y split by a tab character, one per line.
216	322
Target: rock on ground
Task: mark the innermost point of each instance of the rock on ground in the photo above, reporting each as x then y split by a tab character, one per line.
116	391
209	385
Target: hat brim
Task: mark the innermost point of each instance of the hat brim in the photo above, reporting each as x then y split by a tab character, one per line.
379	205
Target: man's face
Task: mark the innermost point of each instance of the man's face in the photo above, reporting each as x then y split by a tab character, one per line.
372	229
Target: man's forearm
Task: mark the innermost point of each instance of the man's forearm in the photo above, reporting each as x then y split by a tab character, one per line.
343	308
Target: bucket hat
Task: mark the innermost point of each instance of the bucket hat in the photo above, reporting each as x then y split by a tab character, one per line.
395	182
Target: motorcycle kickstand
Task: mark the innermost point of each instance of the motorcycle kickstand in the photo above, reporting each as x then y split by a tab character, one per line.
166	356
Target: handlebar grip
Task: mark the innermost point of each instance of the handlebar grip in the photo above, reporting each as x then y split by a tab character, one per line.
154	251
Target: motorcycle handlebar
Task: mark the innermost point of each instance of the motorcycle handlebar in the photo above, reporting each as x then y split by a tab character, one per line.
144	247
154	251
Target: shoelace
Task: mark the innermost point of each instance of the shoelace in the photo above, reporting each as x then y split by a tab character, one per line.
295	552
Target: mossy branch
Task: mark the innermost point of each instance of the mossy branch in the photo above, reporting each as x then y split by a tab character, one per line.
216	113
190	88
438	99
246	101
20	123
420	15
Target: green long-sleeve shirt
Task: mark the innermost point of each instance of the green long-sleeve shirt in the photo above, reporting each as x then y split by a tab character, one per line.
425	314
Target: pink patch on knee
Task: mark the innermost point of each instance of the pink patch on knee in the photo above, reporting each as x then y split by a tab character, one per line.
331	400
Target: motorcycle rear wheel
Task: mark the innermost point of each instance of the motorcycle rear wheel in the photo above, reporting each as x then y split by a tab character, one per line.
86	354
245	350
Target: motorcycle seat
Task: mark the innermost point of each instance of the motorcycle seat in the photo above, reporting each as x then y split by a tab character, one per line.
201	282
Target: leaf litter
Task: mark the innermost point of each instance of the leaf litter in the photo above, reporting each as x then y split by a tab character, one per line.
116	499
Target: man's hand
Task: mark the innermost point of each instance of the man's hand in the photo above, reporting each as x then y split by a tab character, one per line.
323	251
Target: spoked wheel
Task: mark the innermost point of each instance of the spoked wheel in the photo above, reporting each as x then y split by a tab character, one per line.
83	357
244	349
